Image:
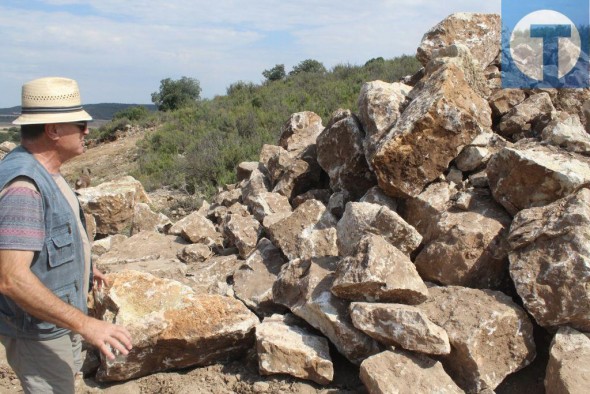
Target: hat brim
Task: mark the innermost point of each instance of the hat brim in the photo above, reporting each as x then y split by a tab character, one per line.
76	116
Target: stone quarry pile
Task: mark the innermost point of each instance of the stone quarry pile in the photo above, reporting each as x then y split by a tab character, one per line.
423	234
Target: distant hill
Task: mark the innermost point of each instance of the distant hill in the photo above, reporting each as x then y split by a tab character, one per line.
103	111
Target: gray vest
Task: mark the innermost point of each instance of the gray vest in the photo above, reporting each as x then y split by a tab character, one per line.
60	265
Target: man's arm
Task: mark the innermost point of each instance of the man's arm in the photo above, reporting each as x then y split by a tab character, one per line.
18	282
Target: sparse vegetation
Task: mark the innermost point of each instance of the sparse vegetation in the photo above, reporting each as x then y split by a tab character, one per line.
197	146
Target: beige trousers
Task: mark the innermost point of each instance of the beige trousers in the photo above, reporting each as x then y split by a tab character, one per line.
45	366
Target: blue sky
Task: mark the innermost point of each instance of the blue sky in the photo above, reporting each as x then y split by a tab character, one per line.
120	50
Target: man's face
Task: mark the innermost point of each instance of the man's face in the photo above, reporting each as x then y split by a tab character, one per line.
71	139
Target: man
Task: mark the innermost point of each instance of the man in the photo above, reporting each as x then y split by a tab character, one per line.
45	267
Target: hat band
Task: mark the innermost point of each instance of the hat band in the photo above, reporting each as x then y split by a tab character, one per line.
50	110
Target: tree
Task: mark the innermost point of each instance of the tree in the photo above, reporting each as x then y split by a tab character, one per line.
308	66
176	94
275	74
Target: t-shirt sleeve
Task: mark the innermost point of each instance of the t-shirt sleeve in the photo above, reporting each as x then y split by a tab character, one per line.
21	219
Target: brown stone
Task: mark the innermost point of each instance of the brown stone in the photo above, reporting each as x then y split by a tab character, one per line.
549	261
171	326
300	131
568	370
445	115
378	271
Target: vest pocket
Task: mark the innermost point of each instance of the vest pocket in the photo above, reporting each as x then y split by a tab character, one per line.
60	245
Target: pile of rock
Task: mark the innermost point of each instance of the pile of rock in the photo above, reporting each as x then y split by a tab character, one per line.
399	234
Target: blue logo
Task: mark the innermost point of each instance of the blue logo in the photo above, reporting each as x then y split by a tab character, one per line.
545	44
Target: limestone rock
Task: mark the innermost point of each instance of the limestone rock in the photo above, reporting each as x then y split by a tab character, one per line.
340	153
467	244
303	174
267	151
574	102
380	104
171	326
476	155
568	370
285	348
491	337
253	281
300	131
112	204
376	196
268	204
531	175
214	275
567	132
146	219
337	203
378	272
362	218
228	196
322	195
445	115
244	169
549	261
196	228
479	32
243	232
399	371
525	116
142	247
503	100
101	246
308	232
254	186
5	148
400	325
194	253
304	287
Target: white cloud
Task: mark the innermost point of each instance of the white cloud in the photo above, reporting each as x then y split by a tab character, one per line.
120	50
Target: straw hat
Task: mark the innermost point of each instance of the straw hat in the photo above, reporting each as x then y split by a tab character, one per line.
51	100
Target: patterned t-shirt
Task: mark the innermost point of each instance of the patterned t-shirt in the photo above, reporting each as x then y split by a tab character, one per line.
21	217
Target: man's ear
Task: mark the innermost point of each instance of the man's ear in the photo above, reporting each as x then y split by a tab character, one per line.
51	131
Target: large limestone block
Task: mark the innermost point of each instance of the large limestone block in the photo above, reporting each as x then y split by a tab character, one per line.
380	104
303	174
402	372
503	100
550	261
310	231
213	276
242	231
469	246
268	207
300	131
196	228
568	370
378	272
479	32
285	348
491	337
171	326
360	219
445	115
141	248
112	204
341	154
144	219
532	175
400	325
304	287
254	280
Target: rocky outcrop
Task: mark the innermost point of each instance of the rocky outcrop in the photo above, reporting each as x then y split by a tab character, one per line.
300	131
171	326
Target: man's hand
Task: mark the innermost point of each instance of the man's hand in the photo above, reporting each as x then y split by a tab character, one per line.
100	279
107	337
